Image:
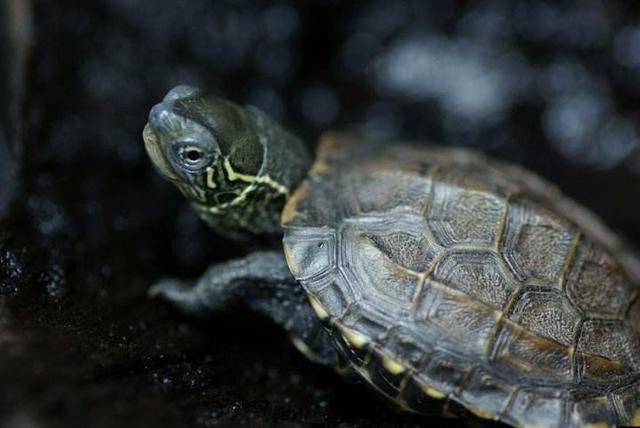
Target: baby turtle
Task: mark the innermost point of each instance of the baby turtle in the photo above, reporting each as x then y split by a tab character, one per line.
434	273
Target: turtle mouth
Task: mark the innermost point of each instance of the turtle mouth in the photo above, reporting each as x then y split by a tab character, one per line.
156	154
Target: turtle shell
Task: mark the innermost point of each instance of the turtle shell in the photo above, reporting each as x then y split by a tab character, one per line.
444	274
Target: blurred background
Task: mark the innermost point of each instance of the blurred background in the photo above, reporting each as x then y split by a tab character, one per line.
86	224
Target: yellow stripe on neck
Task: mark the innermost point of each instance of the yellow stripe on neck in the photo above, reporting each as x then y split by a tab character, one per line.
211	184
264	179
234	176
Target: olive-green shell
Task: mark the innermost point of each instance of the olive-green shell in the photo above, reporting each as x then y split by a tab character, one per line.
442	273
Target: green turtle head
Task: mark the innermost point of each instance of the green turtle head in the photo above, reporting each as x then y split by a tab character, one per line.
233	163
189	136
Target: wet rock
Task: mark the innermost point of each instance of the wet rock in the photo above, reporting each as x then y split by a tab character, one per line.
12	269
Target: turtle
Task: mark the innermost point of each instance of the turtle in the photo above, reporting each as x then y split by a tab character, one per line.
434	274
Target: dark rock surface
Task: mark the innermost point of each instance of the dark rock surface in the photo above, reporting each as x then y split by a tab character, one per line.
554	87
15	44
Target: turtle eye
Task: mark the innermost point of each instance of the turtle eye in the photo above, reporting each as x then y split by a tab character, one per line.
191	156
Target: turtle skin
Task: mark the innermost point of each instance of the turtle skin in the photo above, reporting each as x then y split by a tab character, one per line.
444	274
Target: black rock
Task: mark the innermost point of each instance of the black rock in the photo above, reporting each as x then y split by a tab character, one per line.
15	41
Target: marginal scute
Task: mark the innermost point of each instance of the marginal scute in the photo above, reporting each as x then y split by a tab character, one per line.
392	365
407	348
430	390
331	294
372	326
444	373
417	395
312	255
635	419
451	275
353	337
484	391
318	308
538	408
291	212
596	411
385	372
629	397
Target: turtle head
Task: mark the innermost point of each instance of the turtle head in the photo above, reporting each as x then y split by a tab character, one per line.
234	164
189	138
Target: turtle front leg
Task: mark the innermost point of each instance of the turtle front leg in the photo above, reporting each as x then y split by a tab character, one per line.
262	281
